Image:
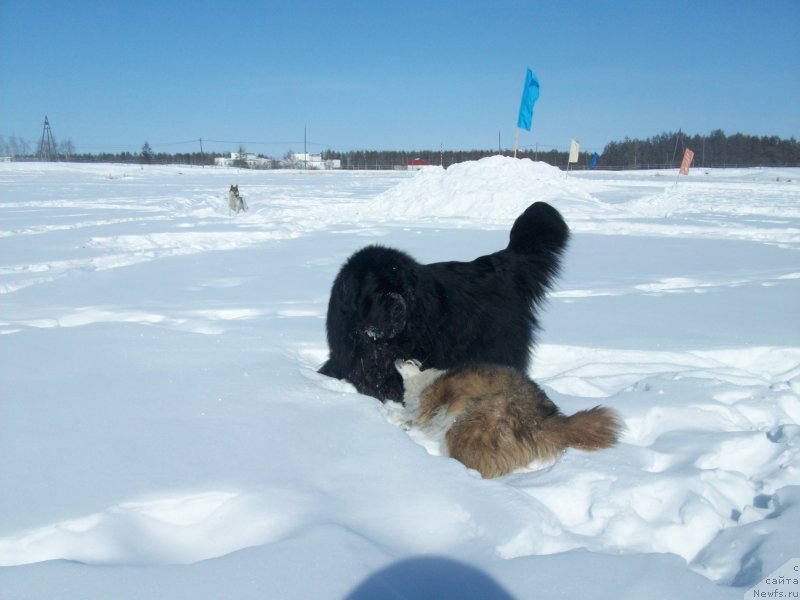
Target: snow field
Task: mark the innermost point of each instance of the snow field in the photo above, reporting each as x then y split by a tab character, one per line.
163	409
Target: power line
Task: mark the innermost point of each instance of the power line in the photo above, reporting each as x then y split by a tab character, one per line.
175	143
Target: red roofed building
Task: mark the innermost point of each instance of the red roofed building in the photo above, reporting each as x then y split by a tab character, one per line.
417	163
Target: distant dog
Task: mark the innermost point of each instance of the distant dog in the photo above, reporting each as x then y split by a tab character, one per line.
384	305
494	419
235	201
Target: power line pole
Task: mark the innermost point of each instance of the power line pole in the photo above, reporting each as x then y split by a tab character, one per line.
704	151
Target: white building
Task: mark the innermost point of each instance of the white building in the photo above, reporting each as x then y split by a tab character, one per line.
304	160
297	160
252	161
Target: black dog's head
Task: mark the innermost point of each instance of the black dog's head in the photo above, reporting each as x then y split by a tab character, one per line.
383	315
373	294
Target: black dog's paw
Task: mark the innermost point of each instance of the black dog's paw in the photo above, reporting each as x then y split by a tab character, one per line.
328	369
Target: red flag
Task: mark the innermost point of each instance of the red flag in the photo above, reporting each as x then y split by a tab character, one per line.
688	155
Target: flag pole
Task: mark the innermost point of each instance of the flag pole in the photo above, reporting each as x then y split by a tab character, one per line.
516	141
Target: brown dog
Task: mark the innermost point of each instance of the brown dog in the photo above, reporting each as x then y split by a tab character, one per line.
494	419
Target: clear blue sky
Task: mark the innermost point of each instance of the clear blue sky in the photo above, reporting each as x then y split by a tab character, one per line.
407	74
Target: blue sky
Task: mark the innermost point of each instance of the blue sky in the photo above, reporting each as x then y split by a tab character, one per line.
111	75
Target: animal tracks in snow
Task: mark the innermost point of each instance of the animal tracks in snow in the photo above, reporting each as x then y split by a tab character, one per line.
713	450
606	371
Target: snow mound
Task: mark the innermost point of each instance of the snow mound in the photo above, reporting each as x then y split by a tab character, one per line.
492	191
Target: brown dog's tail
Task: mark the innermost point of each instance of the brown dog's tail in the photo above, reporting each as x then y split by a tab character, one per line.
592	429
497	435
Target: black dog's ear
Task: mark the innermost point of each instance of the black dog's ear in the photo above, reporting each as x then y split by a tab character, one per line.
346	293
340	329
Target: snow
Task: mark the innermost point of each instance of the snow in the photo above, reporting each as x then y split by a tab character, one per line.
164	433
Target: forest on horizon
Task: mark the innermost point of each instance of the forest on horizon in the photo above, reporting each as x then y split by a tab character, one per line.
660	151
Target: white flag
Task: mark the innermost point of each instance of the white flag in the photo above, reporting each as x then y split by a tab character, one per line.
574	149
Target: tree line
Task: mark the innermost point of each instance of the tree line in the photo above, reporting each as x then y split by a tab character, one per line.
714	150
389	159
661	151
657	152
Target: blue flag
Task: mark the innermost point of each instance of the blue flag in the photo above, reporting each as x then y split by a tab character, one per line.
530	94
593	162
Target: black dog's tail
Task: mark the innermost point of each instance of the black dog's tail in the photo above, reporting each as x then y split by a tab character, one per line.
540	235
540	230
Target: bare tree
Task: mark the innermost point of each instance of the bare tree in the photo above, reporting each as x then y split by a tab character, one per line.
66	148
18	146
147	153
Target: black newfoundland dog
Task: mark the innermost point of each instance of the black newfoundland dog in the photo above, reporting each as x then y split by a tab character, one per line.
384	305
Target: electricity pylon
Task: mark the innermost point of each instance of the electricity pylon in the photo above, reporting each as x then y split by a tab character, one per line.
47	145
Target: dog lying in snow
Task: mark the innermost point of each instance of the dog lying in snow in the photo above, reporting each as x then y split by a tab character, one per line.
494	419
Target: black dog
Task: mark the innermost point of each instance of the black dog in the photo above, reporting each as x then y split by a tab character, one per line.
384	305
